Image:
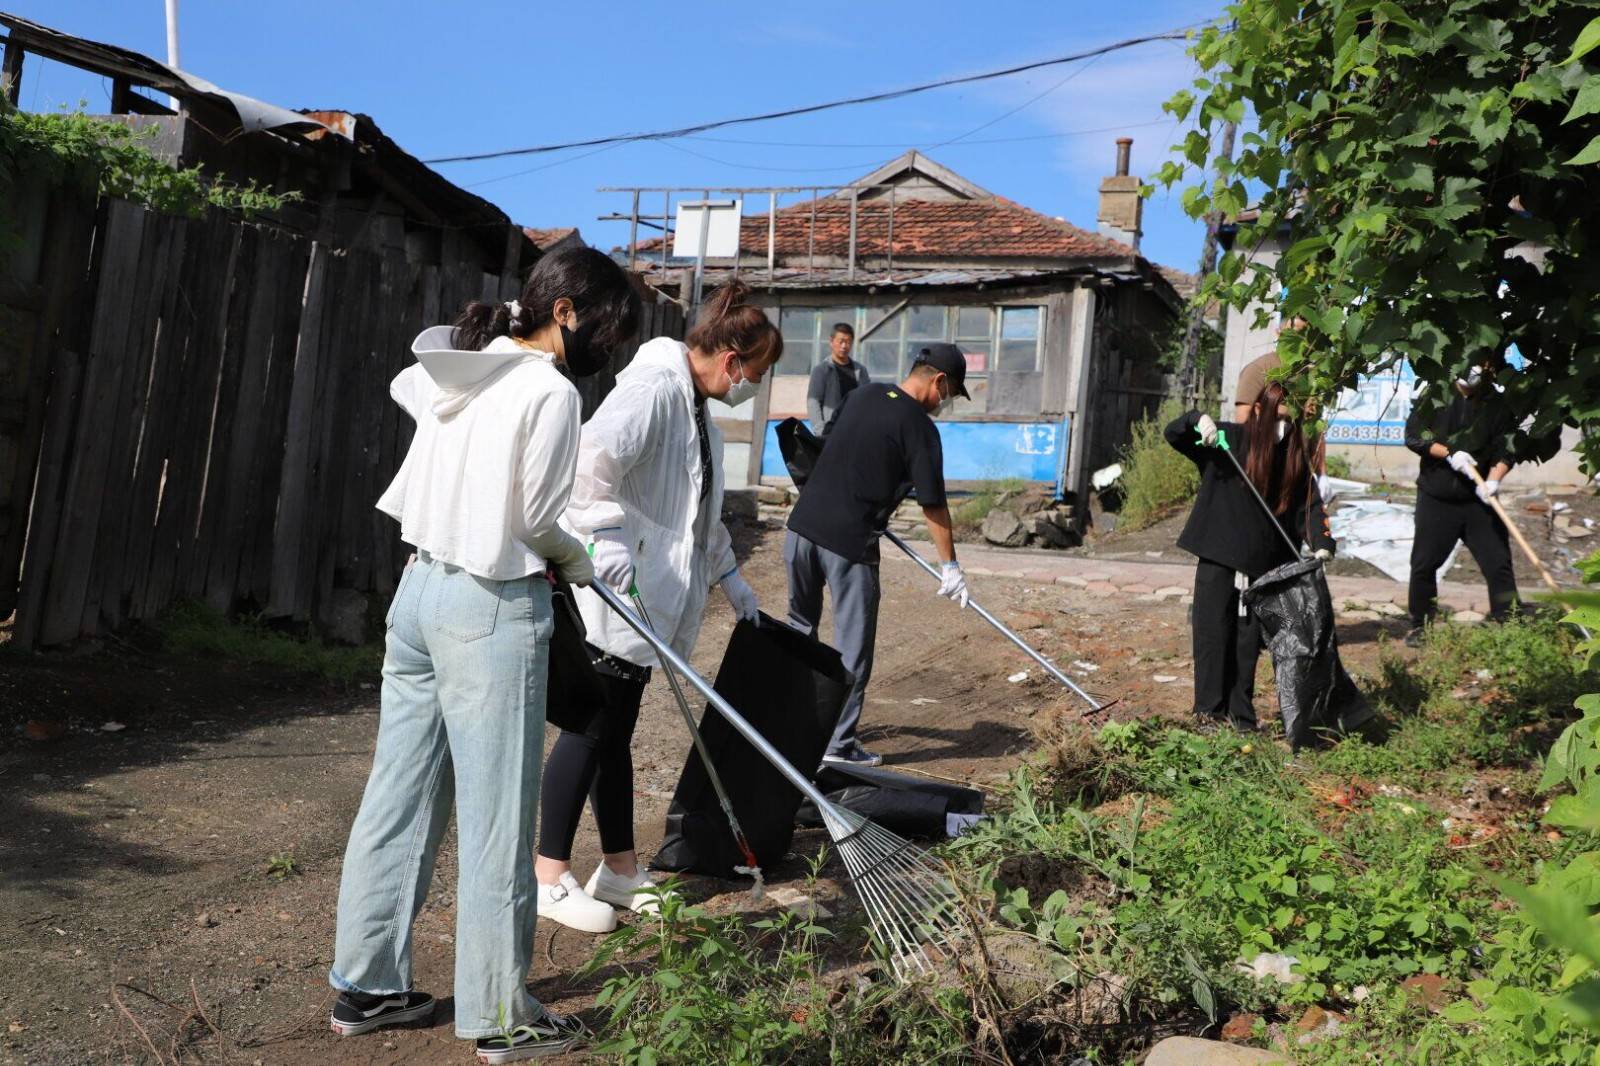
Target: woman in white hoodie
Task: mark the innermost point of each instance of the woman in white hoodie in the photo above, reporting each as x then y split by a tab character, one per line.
648	500
479	495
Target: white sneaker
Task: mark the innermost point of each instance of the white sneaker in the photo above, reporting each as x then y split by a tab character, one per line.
574	908
637	893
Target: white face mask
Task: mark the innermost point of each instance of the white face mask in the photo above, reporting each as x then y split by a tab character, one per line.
1283	429
945	405
741	390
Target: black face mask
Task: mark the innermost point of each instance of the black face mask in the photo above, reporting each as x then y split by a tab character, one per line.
582	358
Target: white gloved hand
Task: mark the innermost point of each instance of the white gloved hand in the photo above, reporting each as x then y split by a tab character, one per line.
1208	431
613	563
1461	462
953	584
1488	488
1322	555
741	597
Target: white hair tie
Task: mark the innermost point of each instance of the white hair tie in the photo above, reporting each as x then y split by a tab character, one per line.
514	308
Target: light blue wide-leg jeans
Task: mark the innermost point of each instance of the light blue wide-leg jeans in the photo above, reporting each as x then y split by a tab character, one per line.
464	684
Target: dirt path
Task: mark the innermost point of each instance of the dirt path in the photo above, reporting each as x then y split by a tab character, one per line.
137	859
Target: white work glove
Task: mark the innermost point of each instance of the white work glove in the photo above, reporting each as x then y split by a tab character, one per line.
1322	555
1487	489
1208	431
613	563
1461	462
953	584
741	597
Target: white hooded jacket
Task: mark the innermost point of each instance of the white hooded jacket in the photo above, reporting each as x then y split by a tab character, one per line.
639	471
490	468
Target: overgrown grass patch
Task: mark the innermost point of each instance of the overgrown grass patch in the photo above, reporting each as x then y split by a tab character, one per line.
1156	478
193	629
969	514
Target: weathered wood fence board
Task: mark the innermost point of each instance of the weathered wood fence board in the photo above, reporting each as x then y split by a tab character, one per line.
199	409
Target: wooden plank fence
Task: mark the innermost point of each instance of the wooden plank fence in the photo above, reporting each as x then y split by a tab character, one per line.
198	409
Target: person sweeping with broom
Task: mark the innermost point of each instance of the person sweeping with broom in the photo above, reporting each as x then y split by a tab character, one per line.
1235	540
648	503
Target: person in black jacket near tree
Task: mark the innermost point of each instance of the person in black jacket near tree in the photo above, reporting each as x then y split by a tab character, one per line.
1452	506
1235	541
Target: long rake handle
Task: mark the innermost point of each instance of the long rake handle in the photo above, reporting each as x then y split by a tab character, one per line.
1004	630
1522	542
735	719
705	756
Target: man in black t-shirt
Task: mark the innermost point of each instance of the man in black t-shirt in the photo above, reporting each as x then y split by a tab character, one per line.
882	446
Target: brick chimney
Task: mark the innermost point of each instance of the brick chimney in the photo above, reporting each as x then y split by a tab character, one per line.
1121	206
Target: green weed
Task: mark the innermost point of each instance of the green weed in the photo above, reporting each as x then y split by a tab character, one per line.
712	988
970	513
283	866
193	629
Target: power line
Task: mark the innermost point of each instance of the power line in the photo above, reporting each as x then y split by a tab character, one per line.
954	144
895	94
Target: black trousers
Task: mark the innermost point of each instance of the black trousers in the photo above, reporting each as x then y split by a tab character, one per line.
1440	523
597	763
1226	648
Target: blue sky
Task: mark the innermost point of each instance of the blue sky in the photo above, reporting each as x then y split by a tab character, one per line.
449	79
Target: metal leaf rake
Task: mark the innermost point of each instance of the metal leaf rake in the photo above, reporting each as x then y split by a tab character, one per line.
910	904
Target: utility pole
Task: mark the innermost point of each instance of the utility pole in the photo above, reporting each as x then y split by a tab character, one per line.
1189	373
172	44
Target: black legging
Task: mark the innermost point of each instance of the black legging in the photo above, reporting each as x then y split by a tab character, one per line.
597	762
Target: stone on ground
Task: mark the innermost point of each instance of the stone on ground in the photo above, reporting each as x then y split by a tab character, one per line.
1004	528
1192	1051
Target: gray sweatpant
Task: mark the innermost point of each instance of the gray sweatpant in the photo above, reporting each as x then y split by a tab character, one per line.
854	587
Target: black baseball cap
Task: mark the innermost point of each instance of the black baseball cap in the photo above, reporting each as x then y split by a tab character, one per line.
948	359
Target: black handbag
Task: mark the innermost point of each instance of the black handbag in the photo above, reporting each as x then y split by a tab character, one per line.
575	692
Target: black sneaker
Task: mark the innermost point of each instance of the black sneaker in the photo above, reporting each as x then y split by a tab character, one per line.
554	1034
854	755
355	1013
1415	638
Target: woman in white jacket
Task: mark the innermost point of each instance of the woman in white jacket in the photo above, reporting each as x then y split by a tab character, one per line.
479	495
648	500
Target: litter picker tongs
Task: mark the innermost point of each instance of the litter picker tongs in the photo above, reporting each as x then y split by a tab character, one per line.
752	866
1005	630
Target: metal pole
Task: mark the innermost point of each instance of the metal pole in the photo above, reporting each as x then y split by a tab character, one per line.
172	44
850	272
735	719
889	251
811	242
700	254
666	231
772	235
1005	631
633	235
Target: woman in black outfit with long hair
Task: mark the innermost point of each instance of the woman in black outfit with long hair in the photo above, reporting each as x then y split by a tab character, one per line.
1235	541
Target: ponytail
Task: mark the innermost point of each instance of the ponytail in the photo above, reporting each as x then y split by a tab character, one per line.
592	280
729	321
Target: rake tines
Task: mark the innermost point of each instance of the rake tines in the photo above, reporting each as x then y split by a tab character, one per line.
908	900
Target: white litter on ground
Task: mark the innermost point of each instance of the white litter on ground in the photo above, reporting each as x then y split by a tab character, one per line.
1106	476
923	701
1087	668
1163	679
1380	532
1018	678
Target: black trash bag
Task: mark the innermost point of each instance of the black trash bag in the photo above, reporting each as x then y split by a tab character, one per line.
791	687
1315	694
901	803
574	694
800	448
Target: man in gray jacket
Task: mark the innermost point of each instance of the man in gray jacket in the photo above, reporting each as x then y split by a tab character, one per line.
834	379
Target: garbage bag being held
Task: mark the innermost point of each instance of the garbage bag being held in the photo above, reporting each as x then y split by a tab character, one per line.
1295	612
